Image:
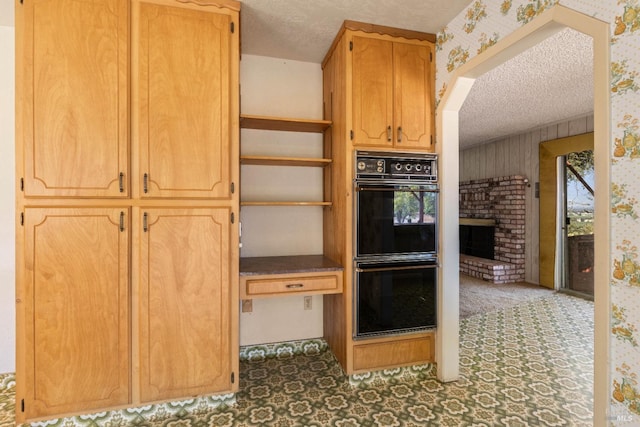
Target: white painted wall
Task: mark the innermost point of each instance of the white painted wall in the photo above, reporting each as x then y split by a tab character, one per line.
278	87
7	201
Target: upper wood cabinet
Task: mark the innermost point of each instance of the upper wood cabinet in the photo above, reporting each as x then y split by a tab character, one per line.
73	97
181	99
185	303
392	90
76	306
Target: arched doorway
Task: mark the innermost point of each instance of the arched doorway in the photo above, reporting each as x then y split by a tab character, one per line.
547	24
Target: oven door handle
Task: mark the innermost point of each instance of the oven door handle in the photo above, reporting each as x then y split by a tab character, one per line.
398	189
381	269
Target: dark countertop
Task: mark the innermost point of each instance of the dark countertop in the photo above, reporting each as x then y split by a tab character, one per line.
287	265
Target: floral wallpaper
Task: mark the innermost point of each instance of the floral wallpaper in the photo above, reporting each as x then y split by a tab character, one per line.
482	25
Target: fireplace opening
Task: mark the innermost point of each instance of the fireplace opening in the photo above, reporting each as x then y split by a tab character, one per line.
477	238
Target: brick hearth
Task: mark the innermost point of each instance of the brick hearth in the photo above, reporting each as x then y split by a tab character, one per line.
501	199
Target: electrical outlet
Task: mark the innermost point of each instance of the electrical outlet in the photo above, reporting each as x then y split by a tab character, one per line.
308	303
247	305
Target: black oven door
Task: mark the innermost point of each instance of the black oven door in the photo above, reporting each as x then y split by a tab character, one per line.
395	220
394	298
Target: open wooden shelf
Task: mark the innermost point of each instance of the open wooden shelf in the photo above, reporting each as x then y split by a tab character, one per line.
248	121
276	203
284	161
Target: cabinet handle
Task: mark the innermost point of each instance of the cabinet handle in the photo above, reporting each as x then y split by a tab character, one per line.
399	134
145	222
145	182
121	182
121	221
388	133
295	286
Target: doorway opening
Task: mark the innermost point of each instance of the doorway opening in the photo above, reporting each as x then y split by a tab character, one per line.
576	233
548	23
567	212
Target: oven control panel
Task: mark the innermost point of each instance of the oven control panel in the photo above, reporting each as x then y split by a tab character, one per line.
370	166
396	166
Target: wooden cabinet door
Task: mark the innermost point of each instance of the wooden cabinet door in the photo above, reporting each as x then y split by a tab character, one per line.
73	97
76	299
185	304
181	93
372	88
413	110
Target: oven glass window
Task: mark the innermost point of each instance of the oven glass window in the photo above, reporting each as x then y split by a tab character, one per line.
394	301
396	220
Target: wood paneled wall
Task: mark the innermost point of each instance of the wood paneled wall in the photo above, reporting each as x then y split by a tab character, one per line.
518	155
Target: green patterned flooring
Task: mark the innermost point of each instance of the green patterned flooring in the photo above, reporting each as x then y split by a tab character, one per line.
528	365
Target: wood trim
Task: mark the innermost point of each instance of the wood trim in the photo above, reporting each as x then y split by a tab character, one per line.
390	31
376	29
477	221
21	93
549	151
335	317
146	203
399	351
225	7
229	4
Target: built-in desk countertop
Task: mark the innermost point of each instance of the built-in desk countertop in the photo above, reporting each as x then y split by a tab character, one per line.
286	275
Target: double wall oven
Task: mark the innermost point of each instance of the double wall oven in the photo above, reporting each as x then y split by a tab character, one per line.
395	243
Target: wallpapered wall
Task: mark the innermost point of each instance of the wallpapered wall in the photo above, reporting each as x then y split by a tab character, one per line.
479	27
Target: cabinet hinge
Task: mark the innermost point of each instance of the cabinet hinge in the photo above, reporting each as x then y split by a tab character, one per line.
233	218
351	134
22	401
21	218
233	27
350	45
233	377
21	184
233	187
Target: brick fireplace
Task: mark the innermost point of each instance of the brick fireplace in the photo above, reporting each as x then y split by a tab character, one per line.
501	201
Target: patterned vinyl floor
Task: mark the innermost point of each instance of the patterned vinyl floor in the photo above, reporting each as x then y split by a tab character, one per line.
528	365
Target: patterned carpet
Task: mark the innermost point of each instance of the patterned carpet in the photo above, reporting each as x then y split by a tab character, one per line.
527	365
479	296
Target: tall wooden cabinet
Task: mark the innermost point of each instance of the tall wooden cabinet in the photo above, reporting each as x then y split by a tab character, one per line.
378	90
127	237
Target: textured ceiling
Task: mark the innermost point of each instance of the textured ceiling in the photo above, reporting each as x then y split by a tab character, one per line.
549	83
304	29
